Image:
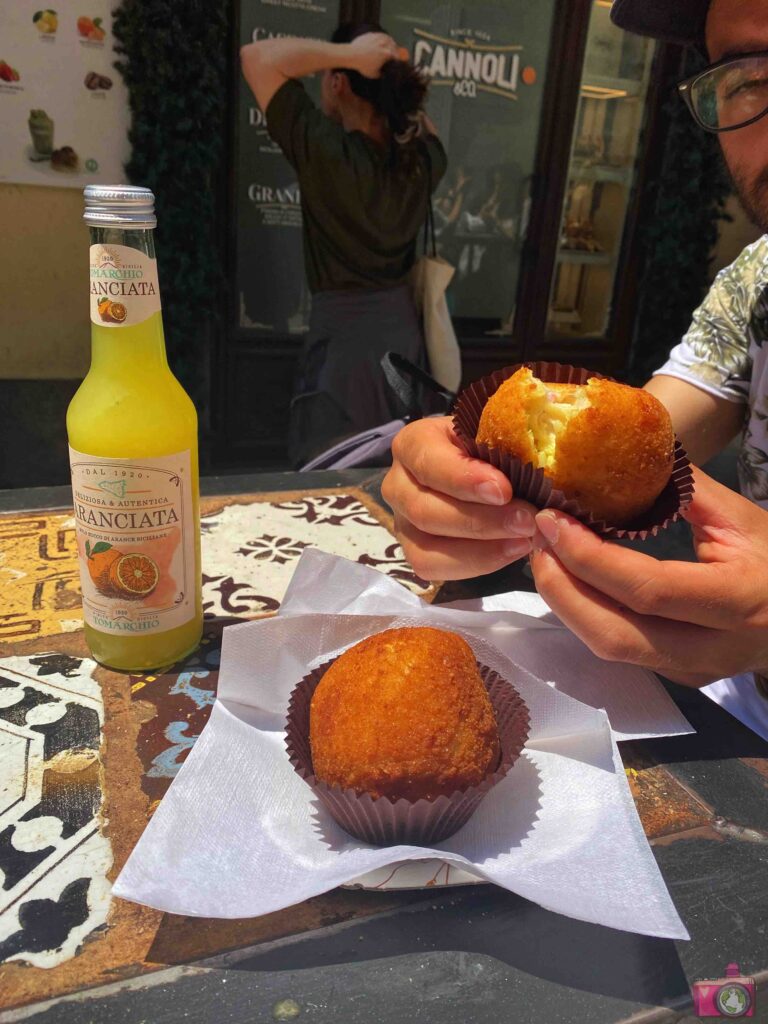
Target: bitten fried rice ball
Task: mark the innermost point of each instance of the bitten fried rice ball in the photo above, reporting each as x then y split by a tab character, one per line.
404	713
606	445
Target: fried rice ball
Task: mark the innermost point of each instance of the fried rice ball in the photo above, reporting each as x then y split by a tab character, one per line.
404	713
606	445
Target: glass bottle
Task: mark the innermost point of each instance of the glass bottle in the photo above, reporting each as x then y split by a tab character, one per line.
132	433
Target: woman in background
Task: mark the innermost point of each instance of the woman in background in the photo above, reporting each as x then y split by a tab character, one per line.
367	164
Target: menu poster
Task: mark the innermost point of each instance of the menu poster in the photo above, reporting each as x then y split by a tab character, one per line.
63	107
486	63
271	284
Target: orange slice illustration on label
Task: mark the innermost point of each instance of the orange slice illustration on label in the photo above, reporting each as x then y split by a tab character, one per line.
134	576
100	559
112	312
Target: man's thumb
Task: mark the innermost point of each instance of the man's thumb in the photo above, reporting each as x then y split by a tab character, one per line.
713	504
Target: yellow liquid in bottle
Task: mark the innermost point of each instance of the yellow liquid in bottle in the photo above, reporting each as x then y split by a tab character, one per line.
130	406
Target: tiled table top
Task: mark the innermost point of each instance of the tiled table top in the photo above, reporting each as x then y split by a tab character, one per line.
86	754
59	838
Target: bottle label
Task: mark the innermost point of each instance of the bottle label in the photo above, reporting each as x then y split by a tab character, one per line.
136	541
124	288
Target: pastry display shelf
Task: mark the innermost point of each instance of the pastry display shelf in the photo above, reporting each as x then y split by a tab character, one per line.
583	256
609	88
601	173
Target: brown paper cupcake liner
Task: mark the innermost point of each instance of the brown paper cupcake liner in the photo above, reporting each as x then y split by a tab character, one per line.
530	483
382	821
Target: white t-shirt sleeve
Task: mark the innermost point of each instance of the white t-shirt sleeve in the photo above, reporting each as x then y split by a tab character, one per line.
714	354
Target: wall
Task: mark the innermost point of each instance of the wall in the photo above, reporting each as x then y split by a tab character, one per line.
44	329
44	319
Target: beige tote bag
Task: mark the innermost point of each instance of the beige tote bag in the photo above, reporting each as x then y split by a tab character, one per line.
429	280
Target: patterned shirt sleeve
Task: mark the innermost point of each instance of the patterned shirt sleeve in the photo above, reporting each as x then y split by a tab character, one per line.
714	354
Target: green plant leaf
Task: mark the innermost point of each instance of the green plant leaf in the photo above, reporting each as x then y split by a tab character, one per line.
677	239
97	22
88	548
37	16
178	141
101	546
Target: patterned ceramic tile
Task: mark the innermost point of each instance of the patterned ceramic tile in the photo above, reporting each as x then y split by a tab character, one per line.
250	551
53	858
39	576
249	554
182	699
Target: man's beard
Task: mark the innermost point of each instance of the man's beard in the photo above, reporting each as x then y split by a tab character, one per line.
753	196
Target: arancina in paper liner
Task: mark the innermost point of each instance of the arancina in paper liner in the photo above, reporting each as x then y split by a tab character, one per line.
530	484
383	822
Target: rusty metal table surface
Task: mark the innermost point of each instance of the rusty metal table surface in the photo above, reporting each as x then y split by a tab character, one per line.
86	754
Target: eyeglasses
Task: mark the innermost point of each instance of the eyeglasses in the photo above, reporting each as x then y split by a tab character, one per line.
730	94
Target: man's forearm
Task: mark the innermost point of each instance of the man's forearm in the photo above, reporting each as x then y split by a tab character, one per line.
704	423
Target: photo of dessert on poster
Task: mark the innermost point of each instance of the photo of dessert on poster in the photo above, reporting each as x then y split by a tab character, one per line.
63	105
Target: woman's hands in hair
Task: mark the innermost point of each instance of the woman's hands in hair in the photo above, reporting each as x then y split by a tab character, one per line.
371	51
269	63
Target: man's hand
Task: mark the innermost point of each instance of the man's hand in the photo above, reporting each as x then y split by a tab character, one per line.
453	515
372	50
693	622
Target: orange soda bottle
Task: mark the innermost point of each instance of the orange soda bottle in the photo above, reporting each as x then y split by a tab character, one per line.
133	454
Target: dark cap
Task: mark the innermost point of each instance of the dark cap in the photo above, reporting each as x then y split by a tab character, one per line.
674	21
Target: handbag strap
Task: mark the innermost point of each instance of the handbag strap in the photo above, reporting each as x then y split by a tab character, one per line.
430	225
430	244
419	393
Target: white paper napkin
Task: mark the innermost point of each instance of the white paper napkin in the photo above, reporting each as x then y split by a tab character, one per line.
240	834
520	624
740	696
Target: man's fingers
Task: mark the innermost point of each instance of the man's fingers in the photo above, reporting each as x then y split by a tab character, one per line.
693	679
712	503
707	594
722	520
446	558
443	516
453	515
674	649
429	451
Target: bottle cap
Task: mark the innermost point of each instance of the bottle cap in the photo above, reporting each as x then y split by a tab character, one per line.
127	206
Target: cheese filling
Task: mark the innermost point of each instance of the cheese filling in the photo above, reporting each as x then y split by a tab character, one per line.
548	412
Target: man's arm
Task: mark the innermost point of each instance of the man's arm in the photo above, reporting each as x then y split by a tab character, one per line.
704	423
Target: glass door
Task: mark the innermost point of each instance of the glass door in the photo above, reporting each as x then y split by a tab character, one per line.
601	175
486	61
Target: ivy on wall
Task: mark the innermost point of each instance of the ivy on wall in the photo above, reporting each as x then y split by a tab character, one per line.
678	238
174	62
